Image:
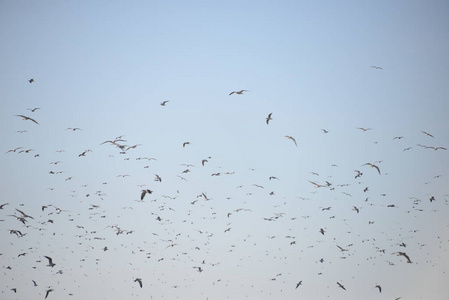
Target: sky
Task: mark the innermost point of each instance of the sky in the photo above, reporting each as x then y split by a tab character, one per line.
357	196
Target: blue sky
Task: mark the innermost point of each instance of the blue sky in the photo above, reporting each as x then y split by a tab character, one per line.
106	66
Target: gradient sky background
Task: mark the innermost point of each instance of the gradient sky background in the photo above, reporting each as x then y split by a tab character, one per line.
105	67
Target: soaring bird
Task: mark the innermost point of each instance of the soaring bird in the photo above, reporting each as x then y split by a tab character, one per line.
298	284
376	67
31	80
373	166
269	118
405	255
364	129
164	102
291	138
27	118
185	143
33	109
426	133
379	287
144	192
48	292
340	285
238	92
73	129
325	131
50	261
139	281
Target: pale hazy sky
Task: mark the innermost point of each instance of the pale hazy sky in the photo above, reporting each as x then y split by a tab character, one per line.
105	67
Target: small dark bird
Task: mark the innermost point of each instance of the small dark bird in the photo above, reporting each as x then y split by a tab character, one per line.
164	102
340	285
269	118
31	80
139	281
376	67
50	261
33	109
379	287
34	283
322	231
237	92
48	292
185	144
298	284
432	199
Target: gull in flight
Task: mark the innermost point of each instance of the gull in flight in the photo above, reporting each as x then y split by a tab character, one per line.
379	287
340	285
291	138
431	147
73	129
364	129
238	92
27	118
373	166
48	292
139	281
144	192
426	133
31	80
269	118
164	102
33	109
298	284
50	261
405	255
376	67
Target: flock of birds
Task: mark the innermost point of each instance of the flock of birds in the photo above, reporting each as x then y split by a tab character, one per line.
164	239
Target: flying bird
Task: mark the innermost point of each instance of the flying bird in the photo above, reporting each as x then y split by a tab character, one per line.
364	129
376	67
48	292
340	285
379	287
50	261
144	192
291	138
298	284
164	102
33	109
73	129
405	255
373	166
269	118
139	281
31	80
238	92
27	118
426	133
